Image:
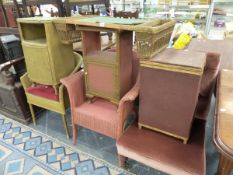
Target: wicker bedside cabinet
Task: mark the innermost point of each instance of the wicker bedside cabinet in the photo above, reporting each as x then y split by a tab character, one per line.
170	84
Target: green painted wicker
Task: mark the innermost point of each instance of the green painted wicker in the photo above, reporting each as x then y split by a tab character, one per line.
153	37
67	32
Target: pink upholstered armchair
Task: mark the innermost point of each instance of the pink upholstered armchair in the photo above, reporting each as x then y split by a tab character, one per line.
99	115
208	82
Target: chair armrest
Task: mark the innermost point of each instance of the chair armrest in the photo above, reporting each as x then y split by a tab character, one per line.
25	81
75	87
210	73
78	62
126	106
5	66
130	96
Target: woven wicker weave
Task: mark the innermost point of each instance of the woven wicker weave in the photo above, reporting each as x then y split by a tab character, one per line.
153	37
67	32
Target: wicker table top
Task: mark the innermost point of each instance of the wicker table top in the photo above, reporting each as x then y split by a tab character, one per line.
105	22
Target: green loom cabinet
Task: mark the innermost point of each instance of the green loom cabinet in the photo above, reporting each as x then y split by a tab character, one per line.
47	59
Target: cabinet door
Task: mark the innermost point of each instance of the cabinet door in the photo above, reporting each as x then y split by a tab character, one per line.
38	63
101	80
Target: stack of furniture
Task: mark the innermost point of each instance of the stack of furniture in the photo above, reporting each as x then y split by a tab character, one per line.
102	96
47	61
175	93
161	149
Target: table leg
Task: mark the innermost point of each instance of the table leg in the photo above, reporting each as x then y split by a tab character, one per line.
225	166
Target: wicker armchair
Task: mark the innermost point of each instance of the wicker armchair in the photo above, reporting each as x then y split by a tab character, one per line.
45	97
99	115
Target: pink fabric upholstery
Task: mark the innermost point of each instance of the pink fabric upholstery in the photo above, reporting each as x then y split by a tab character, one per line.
43	91
165	153
210	73
136	65
106	73
100	116
207	84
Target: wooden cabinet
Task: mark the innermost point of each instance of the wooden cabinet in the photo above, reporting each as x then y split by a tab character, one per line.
108	74
13	102
170	84
47	59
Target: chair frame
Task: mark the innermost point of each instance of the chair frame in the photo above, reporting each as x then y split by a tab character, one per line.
124	108
56	106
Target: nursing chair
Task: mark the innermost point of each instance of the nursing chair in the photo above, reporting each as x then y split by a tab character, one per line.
45	97
98	114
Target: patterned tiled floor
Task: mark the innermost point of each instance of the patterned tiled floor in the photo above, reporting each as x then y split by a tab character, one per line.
104	147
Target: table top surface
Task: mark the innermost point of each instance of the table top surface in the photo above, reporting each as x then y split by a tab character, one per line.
223	47
223	131
181	58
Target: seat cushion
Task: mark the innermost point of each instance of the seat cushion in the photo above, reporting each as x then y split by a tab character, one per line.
43	91
165	153
99	115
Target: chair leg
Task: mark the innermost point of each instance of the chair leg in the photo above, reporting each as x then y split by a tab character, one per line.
75	127
122	161
33	114
65	125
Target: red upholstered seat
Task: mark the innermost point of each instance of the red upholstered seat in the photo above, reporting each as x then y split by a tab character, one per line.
43	91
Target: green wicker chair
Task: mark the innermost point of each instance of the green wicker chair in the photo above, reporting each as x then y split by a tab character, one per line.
45	97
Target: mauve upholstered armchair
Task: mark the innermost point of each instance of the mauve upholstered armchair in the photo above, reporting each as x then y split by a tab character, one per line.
208	83
98	114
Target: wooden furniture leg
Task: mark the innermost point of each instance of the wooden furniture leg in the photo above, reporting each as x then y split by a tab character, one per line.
225	166
33	114
65	125
75	127
122	161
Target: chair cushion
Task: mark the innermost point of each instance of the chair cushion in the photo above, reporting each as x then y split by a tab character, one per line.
43	91
165	153
100	116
